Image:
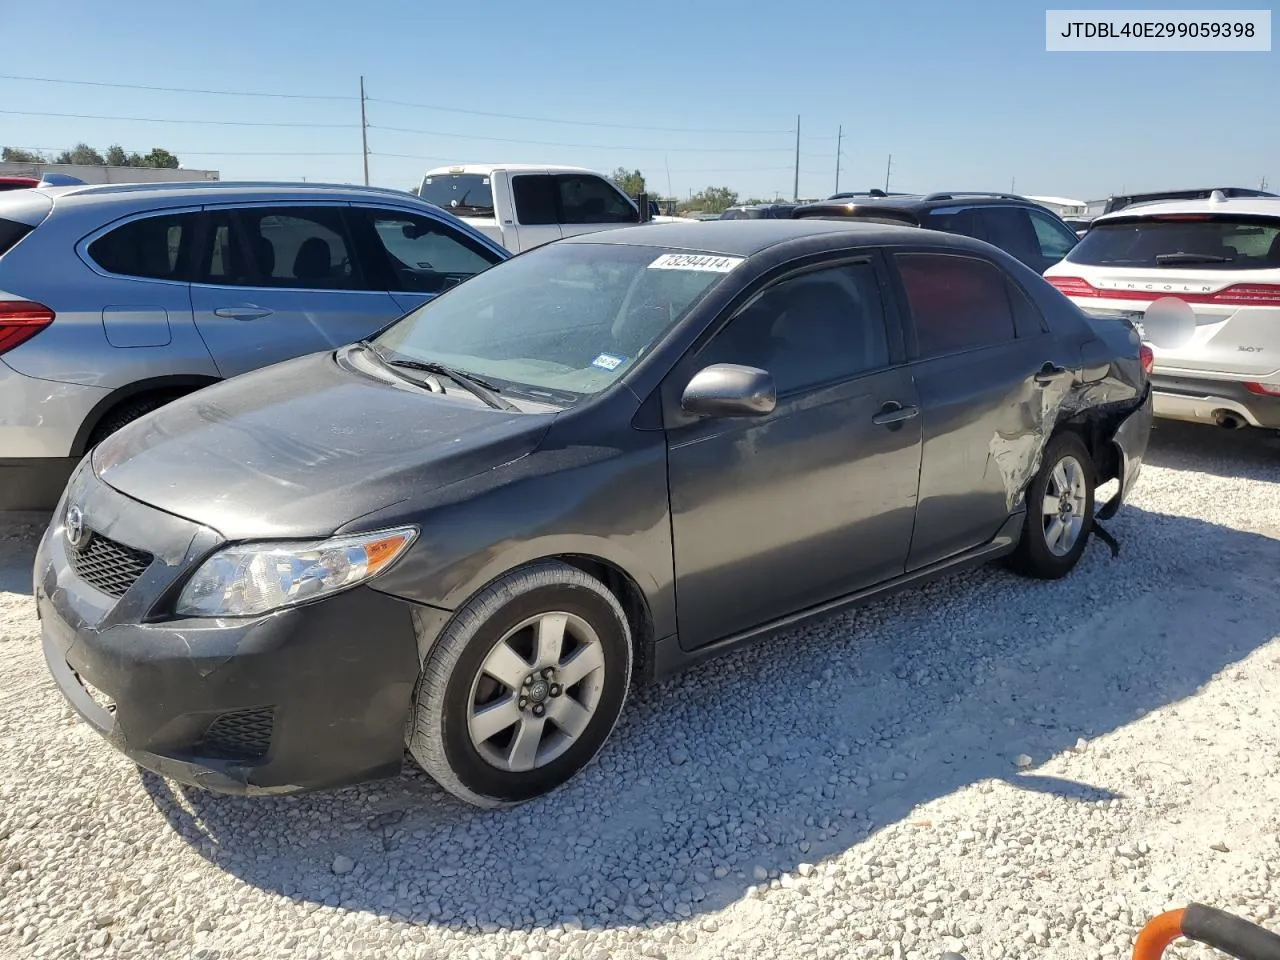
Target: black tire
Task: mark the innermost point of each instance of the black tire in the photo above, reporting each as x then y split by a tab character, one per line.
439	737
1034	556
126	413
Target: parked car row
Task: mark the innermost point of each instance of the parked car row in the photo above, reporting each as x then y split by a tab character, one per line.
469	531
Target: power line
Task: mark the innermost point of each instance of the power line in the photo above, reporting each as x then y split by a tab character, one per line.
580	123
220	153
580	146
143	86
215	123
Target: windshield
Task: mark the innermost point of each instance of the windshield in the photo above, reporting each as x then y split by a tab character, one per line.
462	194
1199	241
563	320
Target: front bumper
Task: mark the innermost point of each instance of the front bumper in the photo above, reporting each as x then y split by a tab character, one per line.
1131	439
305	698
1206	401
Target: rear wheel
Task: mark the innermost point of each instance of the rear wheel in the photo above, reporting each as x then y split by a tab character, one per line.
126	413
1059	511
523	687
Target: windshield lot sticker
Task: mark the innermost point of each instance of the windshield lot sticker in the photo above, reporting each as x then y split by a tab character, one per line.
694	261
607	361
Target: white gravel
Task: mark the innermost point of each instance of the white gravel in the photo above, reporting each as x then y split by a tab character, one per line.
991	765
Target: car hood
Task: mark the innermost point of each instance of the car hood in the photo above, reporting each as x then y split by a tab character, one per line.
306	446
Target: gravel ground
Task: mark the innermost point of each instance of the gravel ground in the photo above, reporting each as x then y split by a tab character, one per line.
1008	768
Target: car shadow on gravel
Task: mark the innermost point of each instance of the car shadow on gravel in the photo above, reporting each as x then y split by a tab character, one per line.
19	535
790	751
1253	454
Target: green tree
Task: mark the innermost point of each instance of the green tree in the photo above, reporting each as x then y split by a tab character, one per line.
81	153
711	200
116	157
14	155
160	157
630	182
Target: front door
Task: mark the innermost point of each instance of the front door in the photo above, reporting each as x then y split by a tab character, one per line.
815	500
280	282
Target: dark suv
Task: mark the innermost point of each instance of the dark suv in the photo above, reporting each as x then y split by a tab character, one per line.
1032	233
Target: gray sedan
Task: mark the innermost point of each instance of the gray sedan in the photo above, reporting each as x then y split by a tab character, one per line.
600	461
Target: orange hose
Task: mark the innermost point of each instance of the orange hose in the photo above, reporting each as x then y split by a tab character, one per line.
1159	932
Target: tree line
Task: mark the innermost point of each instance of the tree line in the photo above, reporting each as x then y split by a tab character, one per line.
82	153
706	200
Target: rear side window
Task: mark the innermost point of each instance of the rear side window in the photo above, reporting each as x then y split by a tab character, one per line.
1192	241
11	231
153	247
1009	228
957	303
535	196
294	247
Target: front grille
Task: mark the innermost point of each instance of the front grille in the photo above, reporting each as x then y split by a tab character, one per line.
111	567
241	735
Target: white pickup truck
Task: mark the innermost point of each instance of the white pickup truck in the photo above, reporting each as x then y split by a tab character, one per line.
522	205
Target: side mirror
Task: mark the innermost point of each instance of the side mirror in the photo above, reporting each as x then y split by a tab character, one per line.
729	390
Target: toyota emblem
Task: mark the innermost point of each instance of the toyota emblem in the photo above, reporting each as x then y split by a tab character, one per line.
74	525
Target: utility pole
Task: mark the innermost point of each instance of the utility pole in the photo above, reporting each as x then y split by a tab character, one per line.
1013	184
1263	184
364	133
796	192
887	170
839	141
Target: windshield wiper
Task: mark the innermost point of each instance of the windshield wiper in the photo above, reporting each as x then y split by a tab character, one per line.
1174	259
482	389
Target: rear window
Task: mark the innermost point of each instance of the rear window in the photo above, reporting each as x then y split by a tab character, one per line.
462	194
1192	241
10	233
150	247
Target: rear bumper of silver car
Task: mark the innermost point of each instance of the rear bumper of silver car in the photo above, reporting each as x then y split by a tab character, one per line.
1226	403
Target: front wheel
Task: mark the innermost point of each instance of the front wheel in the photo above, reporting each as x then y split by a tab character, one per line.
523	687
1059	511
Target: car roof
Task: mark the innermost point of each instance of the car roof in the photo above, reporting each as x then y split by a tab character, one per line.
1256	206
744	238
914	202
488	168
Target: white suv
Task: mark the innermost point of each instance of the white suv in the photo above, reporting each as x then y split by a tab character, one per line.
1211	265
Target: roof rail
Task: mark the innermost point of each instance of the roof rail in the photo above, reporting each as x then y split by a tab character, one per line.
229	185
960	194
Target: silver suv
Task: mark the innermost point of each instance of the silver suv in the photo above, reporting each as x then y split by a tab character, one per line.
115	299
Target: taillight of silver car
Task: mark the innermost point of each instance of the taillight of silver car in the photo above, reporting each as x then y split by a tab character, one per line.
20	320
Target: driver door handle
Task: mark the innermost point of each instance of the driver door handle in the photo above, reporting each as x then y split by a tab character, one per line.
894	412
242	313
1049	373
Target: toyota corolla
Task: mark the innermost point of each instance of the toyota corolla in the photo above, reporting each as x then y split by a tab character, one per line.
601	461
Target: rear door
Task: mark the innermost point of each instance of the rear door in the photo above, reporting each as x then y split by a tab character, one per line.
1226	267
415	256
987	369
276	281
537	219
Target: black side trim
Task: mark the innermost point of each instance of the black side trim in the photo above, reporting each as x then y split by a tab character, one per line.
186	382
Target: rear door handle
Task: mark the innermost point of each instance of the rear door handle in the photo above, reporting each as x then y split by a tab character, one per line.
242	313
894	412
1050	373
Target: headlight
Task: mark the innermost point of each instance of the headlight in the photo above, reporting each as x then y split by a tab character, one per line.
248	579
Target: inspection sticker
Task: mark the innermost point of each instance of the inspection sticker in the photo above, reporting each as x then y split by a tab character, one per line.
695	261
607	361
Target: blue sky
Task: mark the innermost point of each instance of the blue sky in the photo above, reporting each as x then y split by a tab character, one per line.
962	95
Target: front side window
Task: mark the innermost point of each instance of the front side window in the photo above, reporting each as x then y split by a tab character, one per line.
425	255
562	320
151	247
957	303
1192	241
816	328
1055	239
588	199
462	194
